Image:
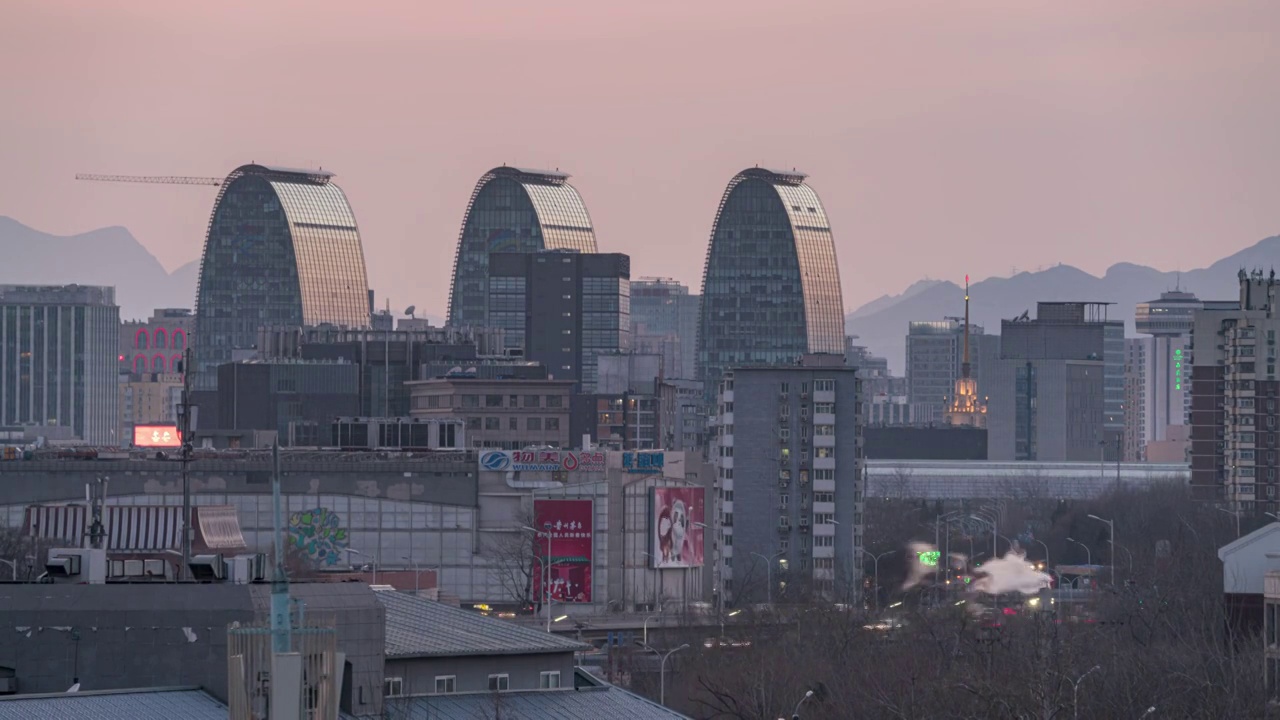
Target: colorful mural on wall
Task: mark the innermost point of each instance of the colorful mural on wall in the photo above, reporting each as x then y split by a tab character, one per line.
319	533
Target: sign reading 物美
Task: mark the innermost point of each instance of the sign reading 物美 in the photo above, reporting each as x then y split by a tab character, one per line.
542	461
643	462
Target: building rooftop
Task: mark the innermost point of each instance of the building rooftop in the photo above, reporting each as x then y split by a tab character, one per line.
188	703
417	627
590	699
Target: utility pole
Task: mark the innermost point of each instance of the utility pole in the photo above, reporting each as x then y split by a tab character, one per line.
184	419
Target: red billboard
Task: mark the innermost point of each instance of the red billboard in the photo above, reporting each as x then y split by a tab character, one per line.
677	540
156	436
567	525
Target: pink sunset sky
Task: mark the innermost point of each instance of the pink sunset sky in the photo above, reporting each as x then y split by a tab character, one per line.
944	137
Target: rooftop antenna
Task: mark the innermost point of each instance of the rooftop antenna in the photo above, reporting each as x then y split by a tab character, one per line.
96	495
280	621
964	366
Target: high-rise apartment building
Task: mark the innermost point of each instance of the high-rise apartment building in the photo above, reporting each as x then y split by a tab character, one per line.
664	320
771	285
1234	396
1135	398
283	248
1057	392
513	210
935	360
59	359
562	308
789	481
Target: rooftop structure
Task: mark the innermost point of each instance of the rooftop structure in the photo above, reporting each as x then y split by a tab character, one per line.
771	285
513	210
283	248
422	628
188	703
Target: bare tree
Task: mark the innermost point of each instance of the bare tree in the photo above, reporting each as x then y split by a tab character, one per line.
1161	640
513	559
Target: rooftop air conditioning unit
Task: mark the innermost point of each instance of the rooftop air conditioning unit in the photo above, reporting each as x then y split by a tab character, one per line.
63	565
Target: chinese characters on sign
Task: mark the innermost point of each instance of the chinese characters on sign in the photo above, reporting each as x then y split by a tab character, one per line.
156	436
541	461
643	462
569	525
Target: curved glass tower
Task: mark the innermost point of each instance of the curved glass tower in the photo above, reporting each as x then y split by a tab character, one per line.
283	248
513	210
771	286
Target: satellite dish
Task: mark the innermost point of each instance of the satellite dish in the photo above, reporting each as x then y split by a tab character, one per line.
409	310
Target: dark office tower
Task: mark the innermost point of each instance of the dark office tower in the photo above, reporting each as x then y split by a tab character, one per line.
563	309
59	361
283	249
513	210
771	287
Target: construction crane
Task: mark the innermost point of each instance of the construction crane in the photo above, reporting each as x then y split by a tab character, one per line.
154	179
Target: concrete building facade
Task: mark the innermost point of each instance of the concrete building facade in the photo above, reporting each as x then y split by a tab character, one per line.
1057	392
789	474
1165	368
1234	397
508	414
59	360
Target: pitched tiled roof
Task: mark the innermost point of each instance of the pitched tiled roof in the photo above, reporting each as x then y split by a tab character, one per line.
595	703
417	627
149	704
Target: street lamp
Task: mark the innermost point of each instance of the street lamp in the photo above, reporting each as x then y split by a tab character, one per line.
1088	556
13	564
546	569
646	628
795	714
372	562
1112	525
662	671
417	574
1075	689
995	550
1046	552
876	558
722	617
1235	514
768	569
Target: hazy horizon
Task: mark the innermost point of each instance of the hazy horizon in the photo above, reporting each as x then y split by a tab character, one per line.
942	141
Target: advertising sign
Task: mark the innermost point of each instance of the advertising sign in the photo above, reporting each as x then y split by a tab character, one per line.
643	462
568	523
677	541
160	436
542	460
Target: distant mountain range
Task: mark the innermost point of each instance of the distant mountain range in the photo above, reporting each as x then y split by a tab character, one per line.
882	323
107	256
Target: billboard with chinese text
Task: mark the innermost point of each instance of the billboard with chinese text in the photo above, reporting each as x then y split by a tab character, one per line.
542	460
160	436
568	525
677	540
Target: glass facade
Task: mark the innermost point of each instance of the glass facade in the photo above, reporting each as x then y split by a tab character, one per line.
771	286
283	248
513	210
58	359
